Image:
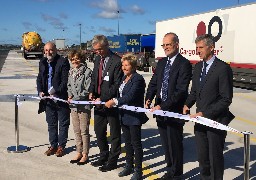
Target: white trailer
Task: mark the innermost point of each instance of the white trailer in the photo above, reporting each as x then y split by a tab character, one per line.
234	31
60	44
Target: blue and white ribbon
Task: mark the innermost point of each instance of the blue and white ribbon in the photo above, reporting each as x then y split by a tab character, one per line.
198	119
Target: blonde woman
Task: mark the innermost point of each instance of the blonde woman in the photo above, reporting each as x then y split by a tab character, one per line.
131	92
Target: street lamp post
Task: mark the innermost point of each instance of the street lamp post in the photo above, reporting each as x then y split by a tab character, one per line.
80	36
118	22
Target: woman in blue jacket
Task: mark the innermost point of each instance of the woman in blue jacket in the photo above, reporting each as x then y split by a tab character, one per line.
131	93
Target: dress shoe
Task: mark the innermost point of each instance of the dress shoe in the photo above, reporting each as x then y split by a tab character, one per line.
137	175
60	152
98	163
108	167
128	169
167	176
73	161
50	151
83	161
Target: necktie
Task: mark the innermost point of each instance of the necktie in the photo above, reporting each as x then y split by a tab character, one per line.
49	76
165	80
203	73
100	74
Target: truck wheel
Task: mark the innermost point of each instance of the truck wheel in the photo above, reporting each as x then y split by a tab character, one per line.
25	55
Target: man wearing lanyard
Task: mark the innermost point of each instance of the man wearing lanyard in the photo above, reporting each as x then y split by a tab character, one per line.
106	77
52	81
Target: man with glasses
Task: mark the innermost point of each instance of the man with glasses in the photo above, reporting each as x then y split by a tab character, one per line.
106	76
169	86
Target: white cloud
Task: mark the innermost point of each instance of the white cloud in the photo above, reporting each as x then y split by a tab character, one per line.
109	9
137	10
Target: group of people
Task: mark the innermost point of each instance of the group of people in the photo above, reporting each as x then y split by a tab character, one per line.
114	80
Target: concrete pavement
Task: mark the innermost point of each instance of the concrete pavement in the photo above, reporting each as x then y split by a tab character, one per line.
18	76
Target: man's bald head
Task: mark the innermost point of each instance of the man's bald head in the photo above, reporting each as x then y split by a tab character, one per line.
50	51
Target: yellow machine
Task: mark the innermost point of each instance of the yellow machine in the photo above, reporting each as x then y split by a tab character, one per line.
32	44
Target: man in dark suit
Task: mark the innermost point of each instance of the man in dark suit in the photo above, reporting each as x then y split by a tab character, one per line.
106	77
169	86
52	81
212	91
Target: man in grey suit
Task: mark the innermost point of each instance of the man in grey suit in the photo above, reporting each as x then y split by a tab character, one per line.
212	91
106	76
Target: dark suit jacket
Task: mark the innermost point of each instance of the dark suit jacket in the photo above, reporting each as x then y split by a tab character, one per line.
180	76
109	88
60	68
133	95
215	95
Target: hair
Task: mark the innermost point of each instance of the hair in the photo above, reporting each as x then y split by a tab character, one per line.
78	53
101	39
207	38
131	58
175	37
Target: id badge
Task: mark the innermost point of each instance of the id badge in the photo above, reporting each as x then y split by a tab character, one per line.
106	78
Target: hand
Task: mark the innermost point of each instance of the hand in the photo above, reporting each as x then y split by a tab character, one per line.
41	94
197	114
186	110
69	100
96	100
147	104
91	97
110	103
155	108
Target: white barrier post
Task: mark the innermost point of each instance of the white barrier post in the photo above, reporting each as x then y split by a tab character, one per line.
247	155
18	148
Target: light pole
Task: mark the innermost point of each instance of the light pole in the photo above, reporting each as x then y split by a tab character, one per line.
118	22
80	36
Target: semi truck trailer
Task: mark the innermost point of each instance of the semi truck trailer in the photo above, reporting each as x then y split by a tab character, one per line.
234	34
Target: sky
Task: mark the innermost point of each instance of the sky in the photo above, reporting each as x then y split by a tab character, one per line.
63	19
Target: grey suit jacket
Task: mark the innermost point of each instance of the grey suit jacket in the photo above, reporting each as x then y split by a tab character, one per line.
214	97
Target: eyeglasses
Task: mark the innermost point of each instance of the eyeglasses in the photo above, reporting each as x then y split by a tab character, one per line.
168	45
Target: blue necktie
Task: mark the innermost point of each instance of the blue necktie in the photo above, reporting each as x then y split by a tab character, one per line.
165	80
49	76
203	74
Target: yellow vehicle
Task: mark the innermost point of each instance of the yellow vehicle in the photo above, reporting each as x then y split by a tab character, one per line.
32	44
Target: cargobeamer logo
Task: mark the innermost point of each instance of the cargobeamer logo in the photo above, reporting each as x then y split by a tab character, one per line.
201	28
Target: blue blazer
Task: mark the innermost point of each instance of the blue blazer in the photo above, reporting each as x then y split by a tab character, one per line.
61	68
133	95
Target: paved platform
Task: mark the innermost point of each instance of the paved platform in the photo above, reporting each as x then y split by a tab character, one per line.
18	76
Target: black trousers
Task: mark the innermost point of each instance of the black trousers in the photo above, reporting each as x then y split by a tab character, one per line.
133	145
102	117
210	145
172	140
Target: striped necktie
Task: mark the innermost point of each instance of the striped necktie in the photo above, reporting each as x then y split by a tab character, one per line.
166	80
